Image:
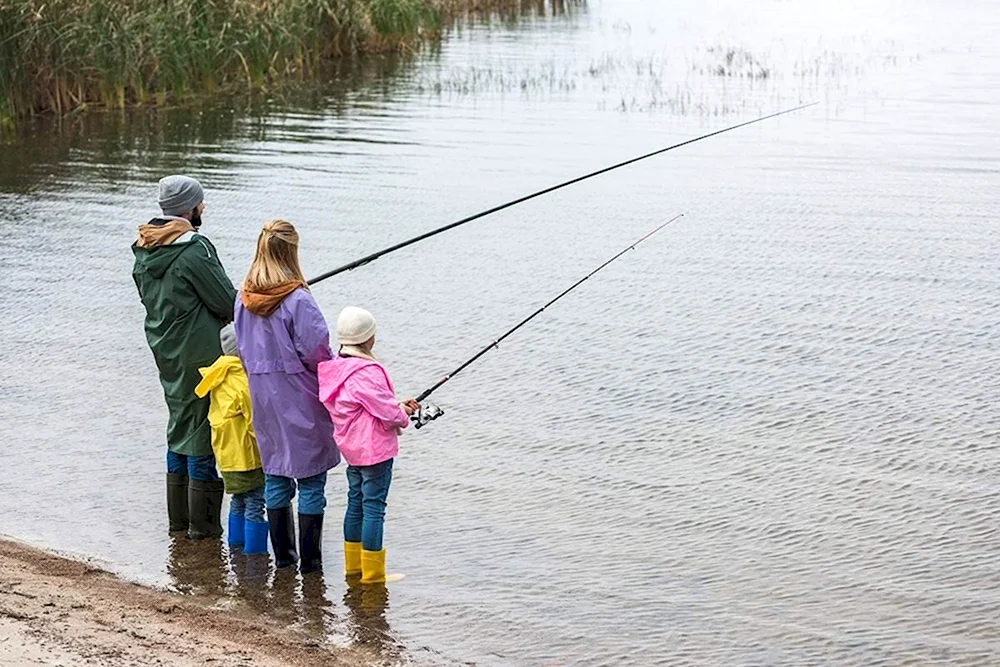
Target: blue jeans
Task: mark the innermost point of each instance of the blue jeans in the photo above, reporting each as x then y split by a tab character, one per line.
279	491
201	468
249	505
367	489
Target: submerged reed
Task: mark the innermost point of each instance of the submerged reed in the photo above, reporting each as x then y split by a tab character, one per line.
61	55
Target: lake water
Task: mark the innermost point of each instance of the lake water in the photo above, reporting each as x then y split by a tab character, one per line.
766	437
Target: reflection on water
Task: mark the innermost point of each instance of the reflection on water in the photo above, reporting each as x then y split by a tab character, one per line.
204	567
197	566
765	437
283	595
137	144
250	578
314	606
366	621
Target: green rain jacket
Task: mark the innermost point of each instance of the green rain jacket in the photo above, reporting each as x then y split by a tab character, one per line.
188	299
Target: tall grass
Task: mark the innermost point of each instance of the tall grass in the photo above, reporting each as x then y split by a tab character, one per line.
60	55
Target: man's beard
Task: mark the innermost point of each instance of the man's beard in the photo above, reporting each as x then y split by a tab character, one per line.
196	219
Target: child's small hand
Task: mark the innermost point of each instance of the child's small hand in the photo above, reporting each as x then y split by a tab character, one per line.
409	406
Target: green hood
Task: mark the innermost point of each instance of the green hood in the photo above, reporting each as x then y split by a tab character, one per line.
158	259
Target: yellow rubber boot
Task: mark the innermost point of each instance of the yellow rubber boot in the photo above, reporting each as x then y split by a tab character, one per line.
372	566
352	558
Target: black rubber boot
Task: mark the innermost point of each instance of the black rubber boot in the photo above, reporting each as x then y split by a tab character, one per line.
311	542
215	493
282	537
177	502
205	505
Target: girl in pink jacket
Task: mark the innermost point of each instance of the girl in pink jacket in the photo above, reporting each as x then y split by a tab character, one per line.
366	416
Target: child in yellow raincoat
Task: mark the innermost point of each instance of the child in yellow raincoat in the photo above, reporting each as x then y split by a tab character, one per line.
235	445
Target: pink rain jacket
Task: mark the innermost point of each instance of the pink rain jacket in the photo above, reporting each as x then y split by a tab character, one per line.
363	407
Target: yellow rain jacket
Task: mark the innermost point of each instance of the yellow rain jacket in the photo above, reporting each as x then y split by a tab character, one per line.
233	440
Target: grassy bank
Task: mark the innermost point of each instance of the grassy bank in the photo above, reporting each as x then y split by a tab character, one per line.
61	55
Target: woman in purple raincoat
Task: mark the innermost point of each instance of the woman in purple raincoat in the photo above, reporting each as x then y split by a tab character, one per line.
282	338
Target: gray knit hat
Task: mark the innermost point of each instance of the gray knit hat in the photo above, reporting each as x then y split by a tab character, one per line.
179	194
227	337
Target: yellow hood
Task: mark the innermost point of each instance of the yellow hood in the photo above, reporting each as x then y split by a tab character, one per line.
214	375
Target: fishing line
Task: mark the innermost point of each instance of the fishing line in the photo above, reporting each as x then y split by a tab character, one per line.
428	413
350	266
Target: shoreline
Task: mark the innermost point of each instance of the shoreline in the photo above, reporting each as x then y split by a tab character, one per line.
59	611
83	54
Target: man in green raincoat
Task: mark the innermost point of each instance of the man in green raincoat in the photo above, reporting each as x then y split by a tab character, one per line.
188	299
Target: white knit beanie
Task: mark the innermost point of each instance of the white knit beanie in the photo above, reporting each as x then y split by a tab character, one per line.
355	326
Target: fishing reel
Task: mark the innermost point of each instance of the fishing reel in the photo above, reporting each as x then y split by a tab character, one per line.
425	415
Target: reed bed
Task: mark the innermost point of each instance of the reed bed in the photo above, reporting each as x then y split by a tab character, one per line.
64	55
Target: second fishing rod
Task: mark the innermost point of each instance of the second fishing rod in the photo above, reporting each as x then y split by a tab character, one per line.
428	413
350	266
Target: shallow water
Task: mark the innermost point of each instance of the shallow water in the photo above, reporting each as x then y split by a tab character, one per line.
768	436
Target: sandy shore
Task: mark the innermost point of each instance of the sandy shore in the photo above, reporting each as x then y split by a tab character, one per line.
57	611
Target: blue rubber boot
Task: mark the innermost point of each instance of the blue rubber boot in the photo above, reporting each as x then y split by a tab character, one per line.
236	530
256	537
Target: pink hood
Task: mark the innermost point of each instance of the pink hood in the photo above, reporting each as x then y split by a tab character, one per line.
363	407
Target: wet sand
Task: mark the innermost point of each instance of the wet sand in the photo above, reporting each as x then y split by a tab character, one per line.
58	611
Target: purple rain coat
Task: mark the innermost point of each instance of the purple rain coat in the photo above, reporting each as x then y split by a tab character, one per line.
280	354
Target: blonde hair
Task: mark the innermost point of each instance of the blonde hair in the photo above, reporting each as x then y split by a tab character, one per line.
277	258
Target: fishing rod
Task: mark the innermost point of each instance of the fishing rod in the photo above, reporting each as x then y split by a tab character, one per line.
428	413
350	266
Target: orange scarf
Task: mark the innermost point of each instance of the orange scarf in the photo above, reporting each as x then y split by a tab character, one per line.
265	300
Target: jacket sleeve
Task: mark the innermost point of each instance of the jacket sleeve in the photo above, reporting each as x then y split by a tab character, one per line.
203	387
210	281
370	388
138	289
246	407
310	334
